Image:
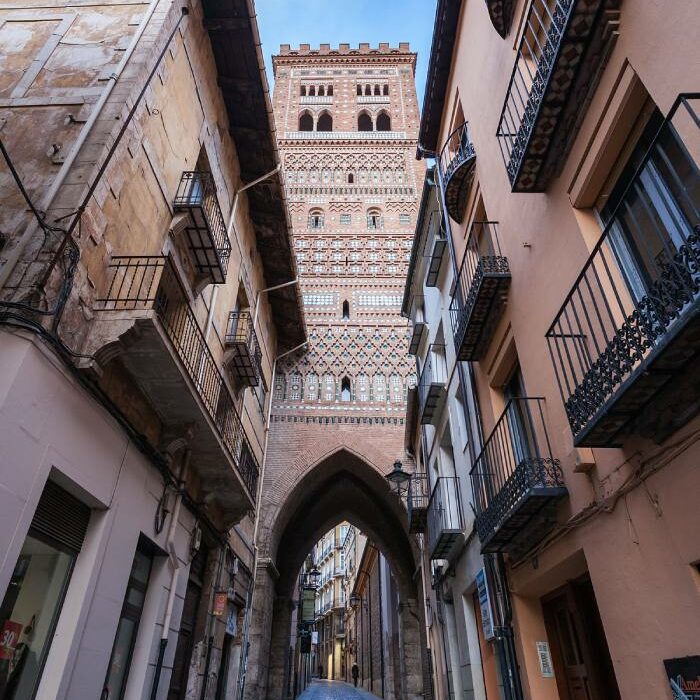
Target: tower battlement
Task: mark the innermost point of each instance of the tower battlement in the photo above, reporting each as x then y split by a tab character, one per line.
345	50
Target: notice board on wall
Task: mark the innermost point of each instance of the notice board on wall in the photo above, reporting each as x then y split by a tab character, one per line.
684	677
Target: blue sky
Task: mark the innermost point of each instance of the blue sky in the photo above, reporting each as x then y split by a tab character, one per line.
348	21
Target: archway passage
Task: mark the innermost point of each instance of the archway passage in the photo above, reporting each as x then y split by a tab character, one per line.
341	486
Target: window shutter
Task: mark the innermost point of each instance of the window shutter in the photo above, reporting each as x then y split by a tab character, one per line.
61	517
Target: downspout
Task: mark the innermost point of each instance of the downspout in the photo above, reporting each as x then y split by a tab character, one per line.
175	563
15	254
381	620
251	589
265	291
209	633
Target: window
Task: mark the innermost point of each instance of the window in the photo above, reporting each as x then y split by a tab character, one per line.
302	90
351	178
345	394
312	90
345	219
404	219
329	388
315	219
128	627
321	91
346	310
386	89
306	122
325	122
329	91
374	219
359	89
35	593
364	122
383	122
368	89
376	90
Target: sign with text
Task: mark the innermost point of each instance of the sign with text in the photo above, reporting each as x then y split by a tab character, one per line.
545	658
9	637
684	677
482	591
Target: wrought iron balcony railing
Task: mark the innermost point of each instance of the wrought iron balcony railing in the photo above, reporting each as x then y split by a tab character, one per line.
243	356
417	502
516	481
445	518
481	291
419	325
150	283
206	231
432	384
562	46
625	342
457	160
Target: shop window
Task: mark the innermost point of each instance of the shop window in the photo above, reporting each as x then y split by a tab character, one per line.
35	594
128	627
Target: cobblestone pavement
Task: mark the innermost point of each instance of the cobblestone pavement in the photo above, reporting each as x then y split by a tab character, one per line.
334	690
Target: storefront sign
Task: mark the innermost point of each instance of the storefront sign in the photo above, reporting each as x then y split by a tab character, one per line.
9	637
482	591
220	603
684	677
308	605
545	659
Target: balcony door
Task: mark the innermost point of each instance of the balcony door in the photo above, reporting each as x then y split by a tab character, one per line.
522	438
653	206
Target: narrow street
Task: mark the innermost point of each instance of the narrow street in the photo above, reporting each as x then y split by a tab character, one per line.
334	690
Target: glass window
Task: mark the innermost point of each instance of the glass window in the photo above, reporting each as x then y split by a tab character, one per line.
124	640
345	219
29	613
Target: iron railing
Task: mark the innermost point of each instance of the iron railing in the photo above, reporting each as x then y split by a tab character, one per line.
417	502
241	331
516	458
482	257
197	191
151	282
457	150
434	371
543	33
640	284
445	517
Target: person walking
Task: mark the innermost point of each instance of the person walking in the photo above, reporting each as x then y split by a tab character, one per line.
355	673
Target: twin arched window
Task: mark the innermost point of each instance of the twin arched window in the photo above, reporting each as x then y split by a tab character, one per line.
365	123
323	123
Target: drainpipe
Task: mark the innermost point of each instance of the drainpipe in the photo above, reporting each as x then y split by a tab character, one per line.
175	563
251	589
209	634
265	291
15	254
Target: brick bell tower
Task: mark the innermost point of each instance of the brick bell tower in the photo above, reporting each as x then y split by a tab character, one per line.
347	126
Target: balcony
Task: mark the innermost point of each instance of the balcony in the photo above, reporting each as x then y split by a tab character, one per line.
417	503
205	229
340	627
563	46
457	161
515	480
436	244
432	386
481	292
144	318
626	342
419	326
445	519
243	357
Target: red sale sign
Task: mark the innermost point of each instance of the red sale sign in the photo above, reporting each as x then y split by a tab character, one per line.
9	637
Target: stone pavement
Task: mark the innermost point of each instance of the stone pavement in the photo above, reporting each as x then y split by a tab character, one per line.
334	690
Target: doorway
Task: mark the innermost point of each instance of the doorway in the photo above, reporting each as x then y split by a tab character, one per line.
580	654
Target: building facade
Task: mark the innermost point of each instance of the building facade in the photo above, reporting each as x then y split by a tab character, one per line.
567	185
143	222
347	121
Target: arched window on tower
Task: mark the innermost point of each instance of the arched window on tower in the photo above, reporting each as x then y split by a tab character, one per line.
359	89
325	122
364	122
368	89
351	178
306	122
315	218
329	91
386	89
376	90
345	393
312	90
383	121
346	310
302	91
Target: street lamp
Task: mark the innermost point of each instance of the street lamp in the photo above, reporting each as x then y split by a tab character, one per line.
354	600
312	578
398	478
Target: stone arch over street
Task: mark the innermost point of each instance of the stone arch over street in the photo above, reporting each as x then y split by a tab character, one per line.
342	484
